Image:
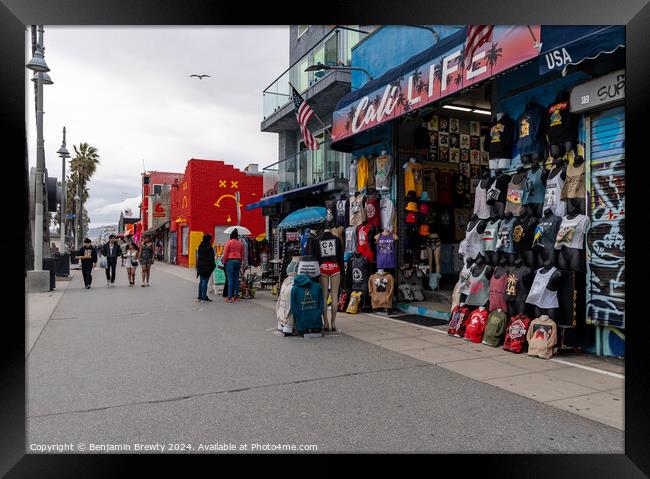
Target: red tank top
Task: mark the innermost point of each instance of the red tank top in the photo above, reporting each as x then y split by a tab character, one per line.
498	292
363	244
372	211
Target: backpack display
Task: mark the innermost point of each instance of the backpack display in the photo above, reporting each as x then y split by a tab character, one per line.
515	338
355	301
476	325
458	316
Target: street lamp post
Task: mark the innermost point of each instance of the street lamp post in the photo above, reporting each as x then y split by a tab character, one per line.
63	154
76	219
38	65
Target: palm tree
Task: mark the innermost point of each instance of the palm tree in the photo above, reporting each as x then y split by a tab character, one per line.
458	78
461	68
350	118
82	168
492	56
437	75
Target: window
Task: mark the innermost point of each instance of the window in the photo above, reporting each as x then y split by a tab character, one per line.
302	29
157	189
185	236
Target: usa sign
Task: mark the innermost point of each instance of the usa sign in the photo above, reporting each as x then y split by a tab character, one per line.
438	77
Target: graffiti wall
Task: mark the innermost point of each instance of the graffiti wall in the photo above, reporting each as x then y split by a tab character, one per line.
606	239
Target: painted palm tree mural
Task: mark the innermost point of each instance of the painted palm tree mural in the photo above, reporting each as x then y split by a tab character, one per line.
420	85
492	56
350	117
437	75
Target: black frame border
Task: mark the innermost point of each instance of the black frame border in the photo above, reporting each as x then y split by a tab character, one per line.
635	14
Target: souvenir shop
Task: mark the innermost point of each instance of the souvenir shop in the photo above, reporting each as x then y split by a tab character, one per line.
477	200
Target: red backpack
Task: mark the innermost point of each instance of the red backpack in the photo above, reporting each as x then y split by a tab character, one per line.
476	325
458	316
515	338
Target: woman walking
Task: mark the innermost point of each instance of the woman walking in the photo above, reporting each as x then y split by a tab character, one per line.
130	258
146	259
232	257
204	266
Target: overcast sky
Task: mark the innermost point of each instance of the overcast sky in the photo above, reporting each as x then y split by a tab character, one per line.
127	92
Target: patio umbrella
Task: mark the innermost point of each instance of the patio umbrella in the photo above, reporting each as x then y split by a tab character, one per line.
304	216
240	229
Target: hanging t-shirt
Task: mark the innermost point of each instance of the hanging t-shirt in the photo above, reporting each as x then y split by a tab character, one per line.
387	212
534	189
489	238
514	195
498	289
517	284
561	125
383	172
572	232
529	130
354	168
357	211
481	208
539	294
363	242
372	211
444	188
524	233
350	240
413	177
342	213
460	191
500	138
546	232
370	184
386	251
358	270
362	174
504	235
574	186
554	185
498	189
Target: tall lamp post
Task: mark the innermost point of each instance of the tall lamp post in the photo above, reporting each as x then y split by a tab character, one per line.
63	154
38	65
76	219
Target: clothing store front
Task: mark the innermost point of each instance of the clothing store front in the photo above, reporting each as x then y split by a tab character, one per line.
487	179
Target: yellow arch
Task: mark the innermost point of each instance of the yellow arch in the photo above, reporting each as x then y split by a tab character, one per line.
218	203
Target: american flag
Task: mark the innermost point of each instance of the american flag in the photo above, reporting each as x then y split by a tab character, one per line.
303	114
477	35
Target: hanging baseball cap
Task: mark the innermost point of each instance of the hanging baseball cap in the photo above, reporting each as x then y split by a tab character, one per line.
424	230
411	218
424	196
412	206
411	196
423	208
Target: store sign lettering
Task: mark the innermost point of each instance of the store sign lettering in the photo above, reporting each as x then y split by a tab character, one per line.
557	58
598	92
386	106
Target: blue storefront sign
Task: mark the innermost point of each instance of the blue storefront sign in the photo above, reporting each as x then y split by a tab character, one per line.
568	45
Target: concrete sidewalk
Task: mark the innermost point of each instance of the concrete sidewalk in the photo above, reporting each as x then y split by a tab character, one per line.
583	384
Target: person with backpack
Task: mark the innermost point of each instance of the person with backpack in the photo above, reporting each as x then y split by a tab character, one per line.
205	265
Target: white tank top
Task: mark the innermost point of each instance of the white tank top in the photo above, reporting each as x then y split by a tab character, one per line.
552	195
472	243
481	208
539	294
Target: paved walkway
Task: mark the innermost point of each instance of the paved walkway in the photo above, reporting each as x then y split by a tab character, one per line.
129	365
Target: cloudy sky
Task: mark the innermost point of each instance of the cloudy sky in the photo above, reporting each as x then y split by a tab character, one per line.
127	92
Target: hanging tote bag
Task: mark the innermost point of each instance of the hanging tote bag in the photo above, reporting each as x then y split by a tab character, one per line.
103	263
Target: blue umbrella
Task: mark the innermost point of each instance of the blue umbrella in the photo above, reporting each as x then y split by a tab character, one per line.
304	216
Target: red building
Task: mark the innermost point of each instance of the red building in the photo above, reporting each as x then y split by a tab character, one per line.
152	182
205	202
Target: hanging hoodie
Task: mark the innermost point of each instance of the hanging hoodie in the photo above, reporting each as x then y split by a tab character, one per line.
306	304
530	138
283	306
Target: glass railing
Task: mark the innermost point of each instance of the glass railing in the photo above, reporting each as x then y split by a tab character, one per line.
334	49
306	168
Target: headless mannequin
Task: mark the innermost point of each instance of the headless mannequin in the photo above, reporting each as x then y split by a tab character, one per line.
576	205
497	207
571	258
470	264
559	168
546	254
558	150
553	285
331	283
479	267
526	159
473	220
528	256
385	310
535	209
509	257
520	307
492	257
501	269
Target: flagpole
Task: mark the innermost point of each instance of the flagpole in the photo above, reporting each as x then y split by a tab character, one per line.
317	117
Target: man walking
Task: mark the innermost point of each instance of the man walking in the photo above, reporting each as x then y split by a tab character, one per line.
88	257
111	252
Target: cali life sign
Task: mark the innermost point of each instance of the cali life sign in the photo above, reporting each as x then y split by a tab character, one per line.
437	78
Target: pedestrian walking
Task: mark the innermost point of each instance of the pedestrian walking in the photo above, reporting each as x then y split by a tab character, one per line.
123	246
205	265
146	259
232	257
88	256
111	251
131	256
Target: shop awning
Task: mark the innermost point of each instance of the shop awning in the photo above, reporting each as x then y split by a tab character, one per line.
563	46
331	184
431	75
153	230
271	200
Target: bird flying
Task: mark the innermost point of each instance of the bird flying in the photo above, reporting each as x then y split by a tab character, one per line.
200	77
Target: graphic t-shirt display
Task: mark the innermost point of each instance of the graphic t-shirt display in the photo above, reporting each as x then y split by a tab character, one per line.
372	211
458	318
504	235
546	232
529	130
542	337
386	251
539	294
363	242
481	208
498	189
500	138
514	196
354	168
342	213
495	327
552	195
383	171
515	338
350	240
574	186
498	290
489	238
524	233
387	212
534	190
357	269
561	125
357	211
381	288
479	288
572	232
476	325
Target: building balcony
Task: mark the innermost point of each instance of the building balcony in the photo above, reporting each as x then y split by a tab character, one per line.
321	89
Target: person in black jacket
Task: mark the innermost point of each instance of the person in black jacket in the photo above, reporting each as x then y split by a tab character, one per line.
111	251
205	265
88	256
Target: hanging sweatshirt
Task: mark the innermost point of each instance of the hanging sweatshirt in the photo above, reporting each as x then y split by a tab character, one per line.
283	306
306	303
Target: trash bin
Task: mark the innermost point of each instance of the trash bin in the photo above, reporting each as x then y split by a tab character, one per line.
49	264
62	264
73	258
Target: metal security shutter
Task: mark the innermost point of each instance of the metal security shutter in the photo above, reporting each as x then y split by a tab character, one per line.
606	238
